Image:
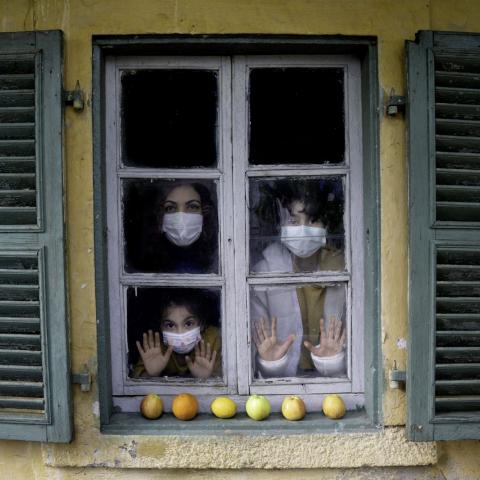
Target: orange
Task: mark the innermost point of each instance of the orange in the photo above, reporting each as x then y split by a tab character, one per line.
185	406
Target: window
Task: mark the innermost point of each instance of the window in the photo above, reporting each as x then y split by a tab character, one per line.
444	361
234	194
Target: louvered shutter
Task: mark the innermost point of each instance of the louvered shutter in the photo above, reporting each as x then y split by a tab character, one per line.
443	113
34	371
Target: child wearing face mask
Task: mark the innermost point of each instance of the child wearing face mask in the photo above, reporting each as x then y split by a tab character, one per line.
184	345
300	330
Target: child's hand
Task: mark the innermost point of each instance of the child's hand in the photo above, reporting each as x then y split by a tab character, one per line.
331	342
153	359
267	346
202	366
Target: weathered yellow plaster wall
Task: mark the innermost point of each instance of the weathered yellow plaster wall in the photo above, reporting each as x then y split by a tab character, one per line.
393	22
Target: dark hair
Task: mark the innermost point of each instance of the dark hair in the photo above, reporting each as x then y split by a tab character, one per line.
323	200
203	304
210	218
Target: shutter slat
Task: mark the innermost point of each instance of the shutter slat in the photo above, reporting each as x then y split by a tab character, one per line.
18	215
21	372
458	127
17	114
461	62
21	198
469	96
458	304
455	193
19	309
458	160
457	387
451	176
21	388
18	276
20	357
458	354
458	338
458	211
457	403
17	131
458	288
458	79
17	147
452	143
455	111
19	403
16	81
17	98
20	341
17	64
17	165
458	321
457	371
19	325
17	181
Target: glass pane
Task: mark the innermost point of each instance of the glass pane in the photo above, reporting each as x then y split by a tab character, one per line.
171	324
169	118
289	339
296	225
296	115
170	226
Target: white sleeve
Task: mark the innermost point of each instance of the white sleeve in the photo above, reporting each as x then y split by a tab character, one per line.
330	366
272	368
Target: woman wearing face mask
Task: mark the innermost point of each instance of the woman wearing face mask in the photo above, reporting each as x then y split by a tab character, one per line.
188	230
300	330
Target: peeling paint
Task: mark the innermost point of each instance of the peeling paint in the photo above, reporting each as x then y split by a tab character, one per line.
401	343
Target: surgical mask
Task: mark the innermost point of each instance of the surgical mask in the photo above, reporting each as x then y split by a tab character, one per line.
303	240
182	229
182	342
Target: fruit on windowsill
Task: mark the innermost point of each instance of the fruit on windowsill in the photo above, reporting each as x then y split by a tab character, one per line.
151	406
333	406
257	407
223	407
185	406
293	408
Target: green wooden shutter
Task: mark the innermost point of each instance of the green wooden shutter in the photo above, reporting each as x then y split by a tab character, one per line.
443	112
34	369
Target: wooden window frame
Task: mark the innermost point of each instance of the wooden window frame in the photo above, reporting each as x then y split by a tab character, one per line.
362	48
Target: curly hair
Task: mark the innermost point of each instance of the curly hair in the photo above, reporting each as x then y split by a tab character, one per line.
322	198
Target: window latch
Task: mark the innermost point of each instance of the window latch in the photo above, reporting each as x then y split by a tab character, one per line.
75	98
395	104
84	379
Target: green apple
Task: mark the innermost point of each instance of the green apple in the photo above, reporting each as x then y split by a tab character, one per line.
257	407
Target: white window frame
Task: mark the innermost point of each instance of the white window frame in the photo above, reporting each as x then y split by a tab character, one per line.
234	277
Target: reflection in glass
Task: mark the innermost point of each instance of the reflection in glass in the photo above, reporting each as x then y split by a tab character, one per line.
170	226
296	116
296	225
289	337
169	118
174	332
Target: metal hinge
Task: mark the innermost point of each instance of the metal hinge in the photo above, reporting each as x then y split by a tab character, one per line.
75	98
395	104
83	379
397	378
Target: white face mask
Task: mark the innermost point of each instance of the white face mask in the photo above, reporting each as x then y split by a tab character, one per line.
182	229
303	240
182	342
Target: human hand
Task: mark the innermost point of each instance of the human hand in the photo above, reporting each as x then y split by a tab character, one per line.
331	342
204	362
154	360
266	342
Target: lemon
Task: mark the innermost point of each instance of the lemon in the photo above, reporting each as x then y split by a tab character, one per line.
223	407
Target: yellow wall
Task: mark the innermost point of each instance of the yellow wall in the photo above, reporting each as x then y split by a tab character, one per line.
383	455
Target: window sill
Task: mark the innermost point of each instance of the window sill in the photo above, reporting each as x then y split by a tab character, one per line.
206	424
